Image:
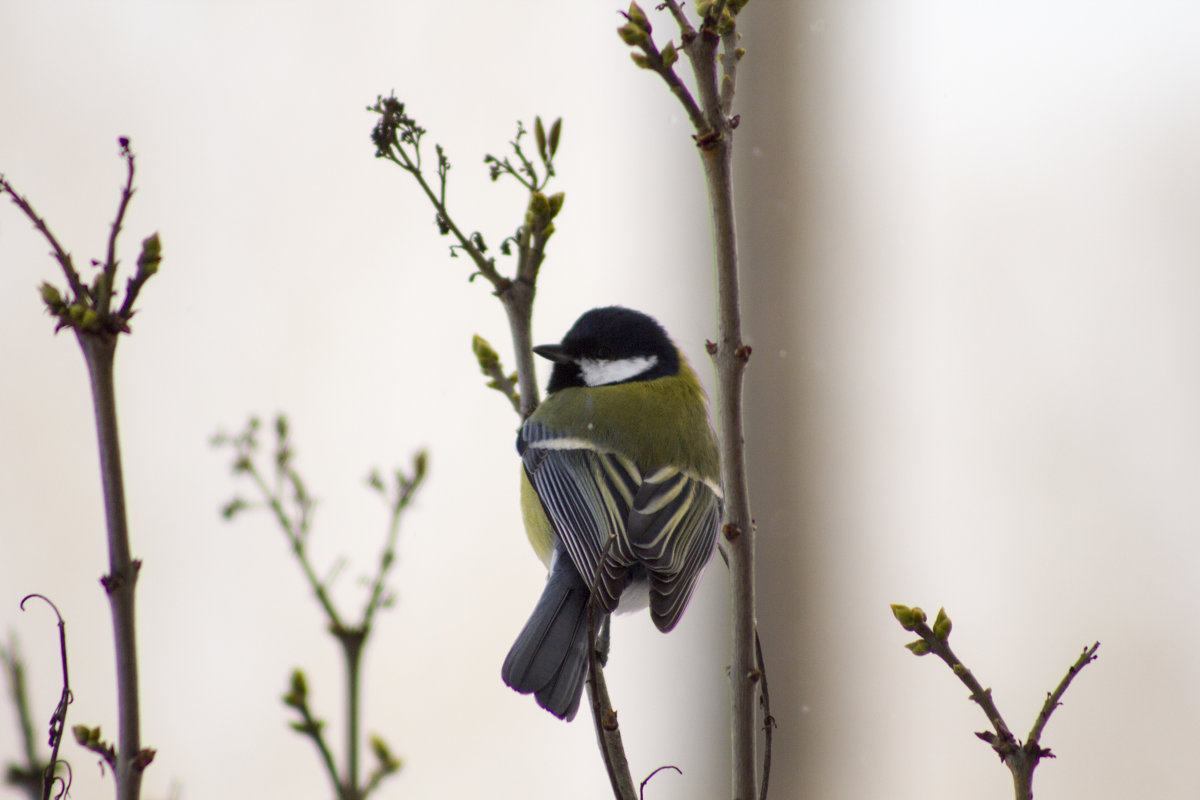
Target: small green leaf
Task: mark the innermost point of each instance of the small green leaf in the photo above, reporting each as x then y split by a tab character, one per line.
555	133
903	615
539	135
388	763
919	647
669	55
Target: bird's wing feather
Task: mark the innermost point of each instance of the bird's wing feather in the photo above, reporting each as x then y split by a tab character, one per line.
588	496
672	531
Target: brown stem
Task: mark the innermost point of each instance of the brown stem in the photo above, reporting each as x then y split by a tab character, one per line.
98	351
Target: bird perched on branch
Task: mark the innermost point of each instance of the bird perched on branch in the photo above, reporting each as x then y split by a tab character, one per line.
620	491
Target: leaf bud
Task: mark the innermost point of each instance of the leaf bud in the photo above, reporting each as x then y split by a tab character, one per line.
539	135
903	615
641	61
539	206
485	354
919	648
556	203
150	256
51	297
638	17
942	625
632	35
669	54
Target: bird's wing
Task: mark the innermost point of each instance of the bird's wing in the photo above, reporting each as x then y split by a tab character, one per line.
672	531
588	496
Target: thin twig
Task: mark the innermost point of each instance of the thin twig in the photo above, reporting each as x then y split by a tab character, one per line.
104	297
60	255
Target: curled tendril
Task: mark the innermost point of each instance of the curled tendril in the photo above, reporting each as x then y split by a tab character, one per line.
58	720
48	602
64	783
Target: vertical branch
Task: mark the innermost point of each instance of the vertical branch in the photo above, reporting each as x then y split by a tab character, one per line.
709	113
119	583
730	354
352	644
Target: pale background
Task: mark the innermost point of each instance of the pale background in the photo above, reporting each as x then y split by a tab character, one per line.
971	242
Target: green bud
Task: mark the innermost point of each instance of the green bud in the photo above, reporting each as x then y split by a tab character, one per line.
51	297
555	133
539	206
90	319
485	354
641	60
76	311
918	615
727	24
388	763
903	615
632	35
942	625
297	696
703	6
669	54
919	648
420	464
151	255
556	203
959	670
84	734
638	17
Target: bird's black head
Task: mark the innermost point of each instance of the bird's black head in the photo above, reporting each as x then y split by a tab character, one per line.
610	345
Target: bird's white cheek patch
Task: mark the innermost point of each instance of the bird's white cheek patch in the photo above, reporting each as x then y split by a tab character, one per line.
600	373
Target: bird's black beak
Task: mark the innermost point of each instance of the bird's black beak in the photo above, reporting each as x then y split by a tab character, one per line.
554	352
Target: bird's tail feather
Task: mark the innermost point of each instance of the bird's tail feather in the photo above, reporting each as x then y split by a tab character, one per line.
549	658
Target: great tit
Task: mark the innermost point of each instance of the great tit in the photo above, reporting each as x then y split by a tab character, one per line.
621	447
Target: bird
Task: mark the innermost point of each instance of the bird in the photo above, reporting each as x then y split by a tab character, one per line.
620	494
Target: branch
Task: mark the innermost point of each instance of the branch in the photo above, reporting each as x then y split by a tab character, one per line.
714	140
352	640
608	732
604	717
397	138
103	297
1021	759
62	256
